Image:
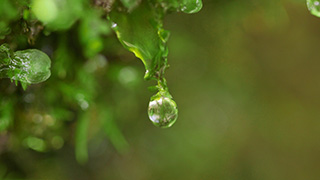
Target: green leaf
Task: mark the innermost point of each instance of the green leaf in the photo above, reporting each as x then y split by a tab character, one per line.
81	147
6	114
141	32
111	129
35	143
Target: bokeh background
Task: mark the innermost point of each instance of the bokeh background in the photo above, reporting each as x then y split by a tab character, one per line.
245	75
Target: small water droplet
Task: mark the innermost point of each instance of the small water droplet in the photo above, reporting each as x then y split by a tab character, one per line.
191	6
314	8
162	110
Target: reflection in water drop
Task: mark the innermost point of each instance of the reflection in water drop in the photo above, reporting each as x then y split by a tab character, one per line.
162	110
314	7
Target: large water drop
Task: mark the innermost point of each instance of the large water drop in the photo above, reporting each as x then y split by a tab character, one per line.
162	110
29	66
314	7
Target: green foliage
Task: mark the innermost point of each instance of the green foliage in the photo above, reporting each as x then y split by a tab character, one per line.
244	74
78	97
81	138
58	15
8	12
140	32
6	113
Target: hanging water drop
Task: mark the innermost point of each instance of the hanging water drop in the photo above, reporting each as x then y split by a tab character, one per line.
29	66
314	7
162	110
141	32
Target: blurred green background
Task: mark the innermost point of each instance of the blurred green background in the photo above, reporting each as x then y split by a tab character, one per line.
243	73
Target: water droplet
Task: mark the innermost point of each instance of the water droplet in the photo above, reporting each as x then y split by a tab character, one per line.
29	66
314	7
191	6
35	64
162	110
